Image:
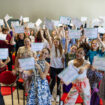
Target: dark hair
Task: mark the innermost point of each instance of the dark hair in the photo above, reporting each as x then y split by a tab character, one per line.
102	36
86	48
4	30
47	50
38	37
81	49
33	32
17	38
82	32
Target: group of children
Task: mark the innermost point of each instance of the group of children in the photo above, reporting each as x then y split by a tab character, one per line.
59	51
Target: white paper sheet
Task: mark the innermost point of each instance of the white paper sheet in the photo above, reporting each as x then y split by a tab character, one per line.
21	18
3	53
65	20
27	63
3	36
68	75
1	22
37	46
31	25
91	32
38	22
15	23
101	30
7	17
26	19
99	63
75	34
56	23
49	24
76	22
19	29
84	19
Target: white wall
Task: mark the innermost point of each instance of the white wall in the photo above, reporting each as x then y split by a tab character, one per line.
52	8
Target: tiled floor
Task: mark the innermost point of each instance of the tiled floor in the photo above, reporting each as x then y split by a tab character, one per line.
8	101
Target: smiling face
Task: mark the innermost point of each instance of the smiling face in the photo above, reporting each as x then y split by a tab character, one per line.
73	49
56	43
94	45
80	53
27	42
44	53
21	36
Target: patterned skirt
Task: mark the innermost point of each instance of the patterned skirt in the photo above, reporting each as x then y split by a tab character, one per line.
39	93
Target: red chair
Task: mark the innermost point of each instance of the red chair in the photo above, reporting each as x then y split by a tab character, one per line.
8	79
48	78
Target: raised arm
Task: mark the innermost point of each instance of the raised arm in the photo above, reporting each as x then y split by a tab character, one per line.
7	25
49	37
66	44
100	40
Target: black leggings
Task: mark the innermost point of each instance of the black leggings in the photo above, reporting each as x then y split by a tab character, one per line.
53	73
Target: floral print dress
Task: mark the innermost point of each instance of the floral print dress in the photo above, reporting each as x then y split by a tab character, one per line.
39	93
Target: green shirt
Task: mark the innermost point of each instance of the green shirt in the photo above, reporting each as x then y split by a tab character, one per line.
68	57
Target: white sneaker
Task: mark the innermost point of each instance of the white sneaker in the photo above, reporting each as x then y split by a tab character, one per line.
52	99
57	98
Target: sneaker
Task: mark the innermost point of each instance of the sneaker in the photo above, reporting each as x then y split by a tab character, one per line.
52	99
57	98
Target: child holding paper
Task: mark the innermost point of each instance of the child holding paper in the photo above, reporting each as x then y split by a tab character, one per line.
39	93
94	76
81	84
41	37
68	57
24	52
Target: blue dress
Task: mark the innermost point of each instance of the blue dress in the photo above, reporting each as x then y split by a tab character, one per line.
39	93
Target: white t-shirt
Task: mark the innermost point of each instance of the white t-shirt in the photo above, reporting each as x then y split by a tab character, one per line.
84	74
32	39
56	62
46	44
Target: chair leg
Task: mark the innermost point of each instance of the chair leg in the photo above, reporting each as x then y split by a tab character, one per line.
12	95
81	103
18	94
24	97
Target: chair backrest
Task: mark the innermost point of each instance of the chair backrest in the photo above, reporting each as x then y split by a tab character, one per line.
7	77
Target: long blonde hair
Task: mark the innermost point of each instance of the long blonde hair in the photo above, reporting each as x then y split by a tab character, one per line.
60	48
